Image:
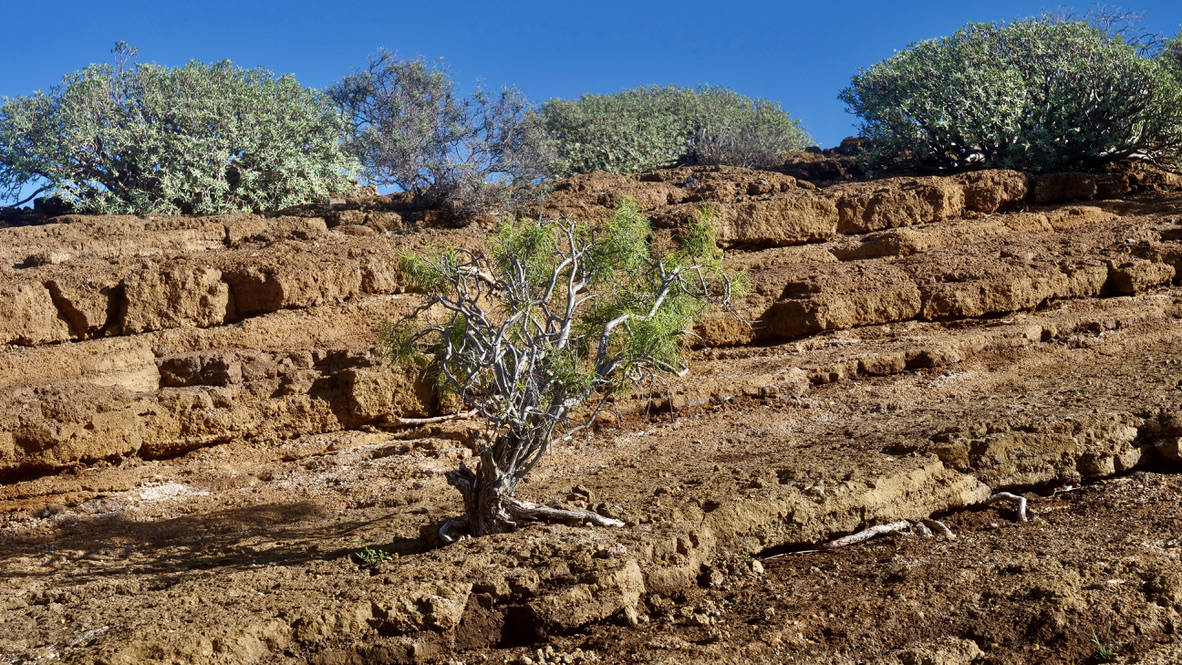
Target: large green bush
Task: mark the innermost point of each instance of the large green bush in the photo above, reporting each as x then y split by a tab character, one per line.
412	130
1036	94
127	137
645	128
1171	56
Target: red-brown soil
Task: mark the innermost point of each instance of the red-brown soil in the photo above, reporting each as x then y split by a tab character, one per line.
198	443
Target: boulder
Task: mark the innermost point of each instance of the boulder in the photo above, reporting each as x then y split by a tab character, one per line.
606	593
895	202
90	305
839	296
386	391
175	296
416	606
1137	275
994	189
794	217
28	315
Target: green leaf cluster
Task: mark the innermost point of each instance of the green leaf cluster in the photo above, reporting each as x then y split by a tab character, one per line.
652	339
644	128
126	137
1035	94
557	311
1171	56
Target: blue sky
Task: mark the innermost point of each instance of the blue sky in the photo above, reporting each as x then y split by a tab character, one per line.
800	54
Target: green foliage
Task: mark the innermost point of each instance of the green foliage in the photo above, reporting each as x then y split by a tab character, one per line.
127	137
1104	650
371	556
413	131
1171	56
1034	94
555	313
644	128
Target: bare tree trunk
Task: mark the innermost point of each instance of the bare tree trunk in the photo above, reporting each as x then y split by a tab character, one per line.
490	507
485	493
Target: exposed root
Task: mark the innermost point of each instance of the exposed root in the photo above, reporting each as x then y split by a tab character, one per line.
940	528
530	511
927	528
446	538
518	513
1007	496
867	534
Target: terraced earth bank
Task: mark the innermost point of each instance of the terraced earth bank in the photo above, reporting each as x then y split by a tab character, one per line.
202	459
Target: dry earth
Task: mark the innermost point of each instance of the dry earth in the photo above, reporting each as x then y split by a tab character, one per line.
198	443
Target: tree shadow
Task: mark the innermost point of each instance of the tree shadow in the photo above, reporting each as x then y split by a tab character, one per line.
87	549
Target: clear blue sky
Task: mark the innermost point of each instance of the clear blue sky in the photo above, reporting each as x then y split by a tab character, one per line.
800	54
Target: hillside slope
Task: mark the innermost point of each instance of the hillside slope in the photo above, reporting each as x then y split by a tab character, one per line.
197	435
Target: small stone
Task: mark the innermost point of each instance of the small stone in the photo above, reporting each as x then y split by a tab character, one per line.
700	620
50	257
756	567
631	616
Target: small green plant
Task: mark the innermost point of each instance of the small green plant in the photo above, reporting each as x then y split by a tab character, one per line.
371	556
1104	650
645	128
129	137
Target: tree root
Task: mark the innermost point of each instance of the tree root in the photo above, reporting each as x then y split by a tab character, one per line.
532	512
446	538
1006	496
926	527
940	528
523	513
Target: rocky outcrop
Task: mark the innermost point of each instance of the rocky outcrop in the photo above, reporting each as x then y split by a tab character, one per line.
203	398
817	260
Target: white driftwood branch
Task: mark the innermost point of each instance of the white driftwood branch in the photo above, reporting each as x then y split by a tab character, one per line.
866	534
533	511
406	422
1007	496
927	528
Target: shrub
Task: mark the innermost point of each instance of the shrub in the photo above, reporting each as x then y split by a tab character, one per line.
141	138
645	128
556	313
1171	56
1036	94
413	131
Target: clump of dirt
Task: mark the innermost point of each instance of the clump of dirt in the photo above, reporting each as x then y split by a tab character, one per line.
203	461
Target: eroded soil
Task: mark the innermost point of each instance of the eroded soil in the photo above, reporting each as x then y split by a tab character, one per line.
202	464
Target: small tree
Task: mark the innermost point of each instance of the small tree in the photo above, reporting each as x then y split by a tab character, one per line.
645	128
128	137
413	131
1034	94
556	315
